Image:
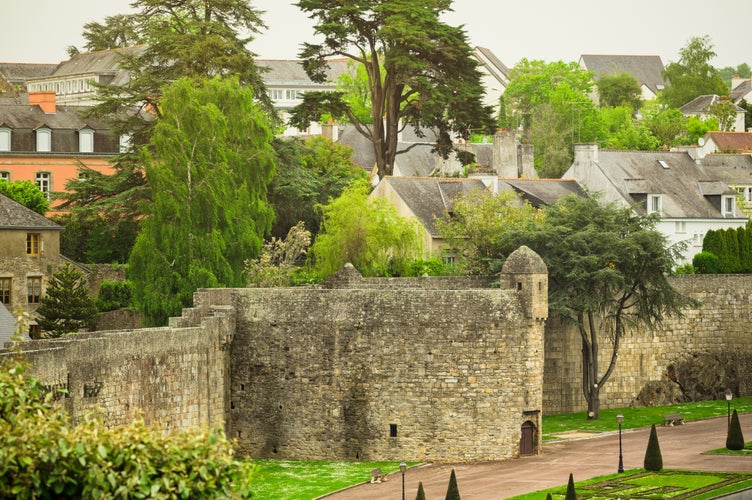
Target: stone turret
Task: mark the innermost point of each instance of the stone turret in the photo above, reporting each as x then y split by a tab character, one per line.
525	272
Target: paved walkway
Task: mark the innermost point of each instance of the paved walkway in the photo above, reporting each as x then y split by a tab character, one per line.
681	448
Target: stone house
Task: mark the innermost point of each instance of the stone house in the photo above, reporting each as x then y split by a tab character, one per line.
700	107
690	200
29	256
647	70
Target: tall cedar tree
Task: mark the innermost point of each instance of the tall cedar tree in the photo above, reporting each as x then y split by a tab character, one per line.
66	306
453	492
421	72
211	164
735	438
190	38
653	458
607	272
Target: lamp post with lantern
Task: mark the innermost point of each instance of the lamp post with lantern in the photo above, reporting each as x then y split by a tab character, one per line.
729	395
620	419
403	468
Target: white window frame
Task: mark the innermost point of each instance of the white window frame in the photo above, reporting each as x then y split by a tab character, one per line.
276	94
680	227
44	182
5	138
44	140
727	205
86	140
655	204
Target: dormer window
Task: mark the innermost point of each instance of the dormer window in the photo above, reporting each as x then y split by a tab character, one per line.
44	140
727	203
654	204
4	139
86	140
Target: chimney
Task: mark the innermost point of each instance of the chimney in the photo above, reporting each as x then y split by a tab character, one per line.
525	161
505	154
585	153
45	99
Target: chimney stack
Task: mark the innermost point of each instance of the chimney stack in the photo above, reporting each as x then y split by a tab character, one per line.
45	99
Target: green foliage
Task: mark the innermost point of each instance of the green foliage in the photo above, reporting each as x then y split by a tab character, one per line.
211	164
653	458
45	456
366	232
27	194
430	267
476	231
685	269
697	128
66	306
621	89
621	131
570	495
692	75
735	437
114	295
724	111
421	495
354	86
705	263
420	72
453	492
277	262
727	73
668	125
90	237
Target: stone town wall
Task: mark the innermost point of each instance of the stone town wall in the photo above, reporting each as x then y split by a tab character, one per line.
699	355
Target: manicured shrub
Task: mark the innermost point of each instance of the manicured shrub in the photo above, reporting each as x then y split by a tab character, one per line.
735	438
421	494
453	492
549	497
653	458
705	263
571	495
114	295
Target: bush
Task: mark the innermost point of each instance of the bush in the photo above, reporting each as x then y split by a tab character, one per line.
571	495
421	494
685	269
453	492
706	263
735	438
653	458
114	295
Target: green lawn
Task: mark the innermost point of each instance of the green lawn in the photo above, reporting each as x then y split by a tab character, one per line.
665	484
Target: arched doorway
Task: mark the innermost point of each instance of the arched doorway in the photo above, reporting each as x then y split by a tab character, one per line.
527	439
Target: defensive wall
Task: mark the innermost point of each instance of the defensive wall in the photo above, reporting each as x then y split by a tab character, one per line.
433	369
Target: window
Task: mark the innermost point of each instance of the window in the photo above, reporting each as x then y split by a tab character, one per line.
393	430
33	241
44	140
292	95
728	205
34	289
276	94
86	140
43	183
5	284
680	227
654	203
4	139
5	176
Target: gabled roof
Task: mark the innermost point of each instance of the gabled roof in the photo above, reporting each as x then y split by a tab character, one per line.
544	191
97	62
647	70
18	73
730	142
701	104
429	198
492	63
730	168
290	72
741	90
682	184
13	215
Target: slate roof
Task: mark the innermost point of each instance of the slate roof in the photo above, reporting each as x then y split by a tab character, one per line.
13	215
682	184
741	90
18	73
97	62
290	72
730	168
544	191
418	161
489	58
31	116
430	197
701	104
7	326
731	141
647	70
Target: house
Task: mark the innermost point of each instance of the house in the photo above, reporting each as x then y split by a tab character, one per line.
13	76
690	200
29	256
495	75
701	106
736	171
647	70
46	143
725	142
741	90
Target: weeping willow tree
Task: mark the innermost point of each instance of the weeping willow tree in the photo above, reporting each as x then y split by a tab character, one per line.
209	168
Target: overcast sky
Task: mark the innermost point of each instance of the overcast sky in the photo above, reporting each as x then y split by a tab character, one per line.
39	31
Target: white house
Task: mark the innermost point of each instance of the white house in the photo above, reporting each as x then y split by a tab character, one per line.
647	70
700	107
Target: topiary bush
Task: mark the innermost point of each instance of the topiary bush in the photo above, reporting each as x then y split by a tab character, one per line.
705	263
114	295
421	494
653	458
735	438
453	492
571	495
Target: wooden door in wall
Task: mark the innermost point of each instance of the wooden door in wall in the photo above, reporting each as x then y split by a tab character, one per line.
527	443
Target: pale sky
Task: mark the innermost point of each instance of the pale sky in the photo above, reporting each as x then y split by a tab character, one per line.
39	31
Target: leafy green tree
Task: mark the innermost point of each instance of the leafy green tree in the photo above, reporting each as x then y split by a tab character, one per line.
607	276
211	164
621	131
697	127
96	238
453	492
653	458
368	233
667	125
475	232
420	71
66	306
279	258
692	75
729	72
748	115
353	85
734	437
309	173
114	295
27	194
621	89
724	112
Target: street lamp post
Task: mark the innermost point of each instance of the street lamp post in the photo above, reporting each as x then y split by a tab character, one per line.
728	395
403	468
620	419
